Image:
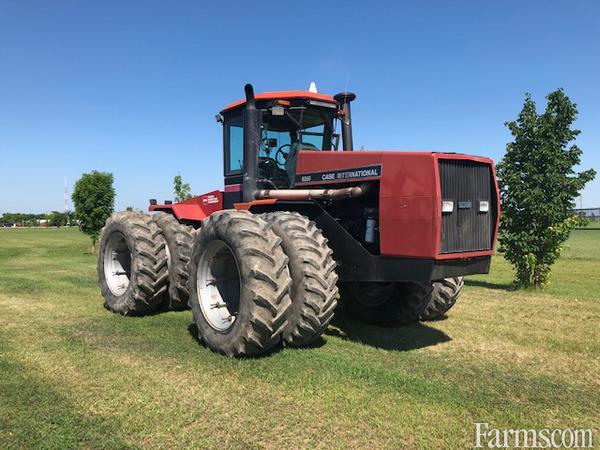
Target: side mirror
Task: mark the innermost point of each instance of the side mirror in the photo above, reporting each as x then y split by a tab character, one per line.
219	118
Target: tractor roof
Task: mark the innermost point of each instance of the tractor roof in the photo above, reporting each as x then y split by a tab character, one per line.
283	95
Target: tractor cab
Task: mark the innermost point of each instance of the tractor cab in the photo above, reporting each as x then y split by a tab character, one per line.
288	122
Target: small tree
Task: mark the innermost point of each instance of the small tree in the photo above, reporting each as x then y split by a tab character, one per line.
181	189
538	187
93	198
56	219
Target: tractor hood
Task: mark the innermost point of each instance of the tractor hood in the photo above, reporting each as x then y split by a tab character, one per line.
412	186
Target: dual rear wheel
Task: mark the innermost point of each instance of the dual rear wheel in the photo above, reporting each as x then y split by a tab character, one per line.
142	263
251	281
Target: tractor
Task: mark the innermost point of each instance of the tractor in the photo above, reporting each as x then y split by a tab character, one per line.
304	222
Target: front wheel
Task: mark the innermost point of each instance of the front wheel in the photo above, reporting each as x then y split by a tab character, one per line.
387	303
443	297
239	284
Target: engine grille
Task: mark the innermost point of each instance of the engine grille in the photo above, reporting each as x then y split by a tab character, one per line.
466	183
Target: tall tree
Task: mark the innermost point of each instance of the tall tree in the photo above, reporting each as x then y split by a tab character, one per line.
93	198
181	189
538	187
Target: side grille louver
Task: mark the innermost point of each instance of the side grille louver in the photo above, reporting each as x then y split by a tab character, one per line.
467	183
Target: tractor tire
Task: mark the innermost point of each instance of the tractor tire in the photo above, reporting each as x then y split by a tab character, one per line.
179	239
132	264
239	284
385	303
314	290
443	297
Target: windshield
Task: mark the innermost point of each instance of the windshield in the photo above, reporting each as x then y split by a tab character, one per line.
313	136
285	130
310	127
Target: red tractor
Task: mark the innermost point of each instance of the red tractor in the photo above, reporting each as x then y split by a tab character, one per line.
260	262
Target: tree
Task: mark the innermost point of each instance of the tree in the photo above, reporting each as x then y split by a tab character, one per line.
538	187
181	189
57	219
93	198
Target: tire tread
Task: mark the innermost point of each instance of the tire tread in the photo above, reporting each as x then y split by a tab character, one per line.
314	298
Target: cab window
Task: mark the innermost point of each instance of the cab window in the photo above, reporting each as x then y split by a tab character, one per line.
313	137
234	138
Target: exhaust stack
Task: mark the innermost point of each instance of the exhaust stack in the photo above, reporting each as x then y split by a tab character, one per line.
252	118
344	99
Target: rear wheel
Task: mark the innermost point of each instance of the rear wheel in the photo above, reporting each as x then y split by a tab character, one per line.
179	239
132	264
387	303
443	297
239	284
314	290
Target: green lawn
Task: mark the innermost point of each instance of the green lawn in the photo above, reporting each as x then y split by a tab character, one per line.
73	374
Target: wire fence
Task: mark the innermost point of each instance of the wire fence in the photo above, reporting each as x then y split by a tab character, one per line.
592	214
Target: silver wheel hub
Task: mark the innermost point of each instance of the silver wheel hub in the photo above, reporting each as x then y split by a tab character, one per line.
218	285
117	264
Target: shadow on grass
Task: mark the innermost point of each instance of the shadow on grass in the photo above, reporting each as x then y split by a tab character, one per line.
400	338
489	285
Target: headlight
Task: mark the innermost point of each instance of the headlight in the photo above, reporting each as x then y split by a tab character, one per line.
447	206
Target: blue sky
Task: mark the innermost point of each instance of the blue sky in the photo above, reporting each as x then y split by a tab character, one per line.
131	87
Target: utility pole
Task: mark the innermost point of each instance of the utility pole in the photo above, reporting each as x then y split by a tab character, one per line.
66	210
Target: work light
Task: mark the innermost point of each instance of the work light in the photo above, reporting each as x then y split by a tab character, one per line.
447	206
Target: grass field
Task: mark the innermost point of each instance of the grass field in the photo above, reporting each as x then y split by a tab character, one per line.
74	375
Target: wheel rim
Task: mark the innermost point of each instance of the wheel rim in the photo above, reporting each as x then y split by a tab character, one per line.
168	252
373	293
117	264
218	285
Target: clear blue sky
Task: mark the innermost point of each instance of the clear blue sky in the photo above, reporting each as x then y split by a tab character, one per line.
131	87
